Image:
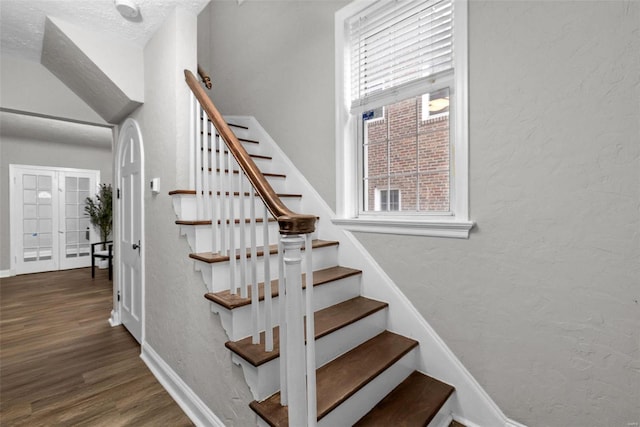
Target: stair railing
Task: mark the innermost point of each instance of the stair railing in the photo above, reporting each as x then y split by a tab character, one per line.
221	168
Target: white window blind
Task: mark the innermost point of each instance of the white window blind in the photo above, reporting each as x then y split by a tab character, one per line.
397	42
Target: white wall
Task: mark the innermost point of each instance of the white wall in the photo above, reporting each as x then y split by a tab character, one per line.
274	60
542	303
29	86
179	324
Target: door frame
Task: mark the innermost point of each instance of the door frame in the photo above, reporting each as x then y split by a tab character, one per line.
116	318
16	215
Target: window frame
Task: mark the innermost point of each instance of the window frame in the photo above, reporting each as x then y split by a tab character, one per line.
348	180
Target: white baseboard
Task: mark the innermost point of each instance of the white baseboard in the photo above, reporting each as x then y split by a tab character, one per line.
186	398
512	423
508	422
7	273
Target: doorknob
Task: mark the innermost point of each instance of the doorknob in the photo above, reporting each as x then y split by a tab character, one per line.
136	246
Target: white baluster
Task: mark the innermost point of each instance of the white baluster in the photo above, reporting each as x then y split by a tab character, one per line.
311	344
205	164
215	186
243	239
199	171
268	332
223	198
282	297
254	270
296	380
232	234
192	140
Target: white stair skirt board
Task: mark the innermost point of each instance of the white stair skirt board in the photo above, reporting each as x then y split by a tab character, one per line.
472	403
237	322
264	380
187	399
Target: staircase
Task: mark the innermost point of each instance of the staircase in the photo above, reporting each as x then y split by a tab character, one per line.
371	364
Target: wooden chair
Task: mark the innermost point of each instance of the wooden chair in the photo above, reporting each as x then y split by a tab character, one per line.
103	254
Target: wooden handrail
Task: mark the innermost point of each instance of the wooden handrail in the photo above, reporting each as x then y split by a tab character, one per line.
290	222
205	77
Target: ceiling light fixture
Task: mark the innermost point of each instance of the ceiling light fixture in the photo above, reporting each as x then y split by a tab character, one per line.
127	8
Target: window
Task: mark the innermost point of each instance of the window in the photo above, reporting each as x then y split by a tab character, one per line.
401	89
387	200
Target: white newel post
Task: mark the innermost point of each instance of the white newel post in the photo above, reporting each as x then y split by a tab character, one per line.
296	365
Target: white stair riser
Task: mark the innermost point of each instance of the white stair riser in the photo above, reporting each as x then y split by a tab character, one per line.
278	183
237	322
186	209
264	380
355	407
322	258
199	236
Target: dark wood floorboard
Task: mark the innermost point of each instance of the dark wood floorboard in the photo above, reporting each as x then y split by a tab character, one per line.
61	364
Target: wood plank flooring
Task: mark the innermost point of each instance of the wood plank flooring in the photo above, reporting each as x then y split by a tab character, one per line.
61	364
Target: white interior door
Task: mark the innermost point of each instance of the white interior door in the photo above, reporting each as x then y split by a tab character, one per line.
131	233
34	219
49	228
75	229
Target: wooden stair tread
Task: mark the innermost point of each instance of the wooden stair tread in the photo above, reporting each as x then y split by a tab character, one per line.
208	221
251	141
254	156
454	423
413	403
326	321
236	193
211	258
234	125
230	301
344	376
267	174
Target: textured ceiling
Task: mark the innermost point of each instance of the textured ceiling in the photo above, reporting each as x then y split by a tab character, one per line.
22	21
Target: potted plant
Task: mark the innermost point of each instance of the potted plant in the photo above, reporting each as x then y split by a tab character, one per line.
100	211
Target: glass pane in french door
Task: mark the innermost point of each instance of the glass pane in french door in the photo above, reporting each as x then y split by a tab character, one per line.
37	218
75	247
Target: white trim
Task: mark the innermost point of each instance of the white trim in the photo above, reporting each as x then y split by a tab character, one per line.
7	273
455	229
513	423
184	396
507	423
114	318
347	181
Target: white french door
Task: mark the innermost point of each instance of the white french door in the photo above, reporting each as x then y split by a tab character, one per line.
76	232
49	229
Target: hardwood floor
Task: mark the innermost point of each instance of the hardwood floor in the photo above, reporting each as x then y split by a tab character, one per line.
61	364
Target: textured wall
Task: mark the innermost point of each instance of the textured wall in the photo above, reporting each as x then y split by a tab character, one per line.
28	86
179	324
542	303
274	60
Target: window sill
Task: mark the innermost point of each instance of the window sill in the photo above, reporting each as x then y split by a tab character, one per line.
432	228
